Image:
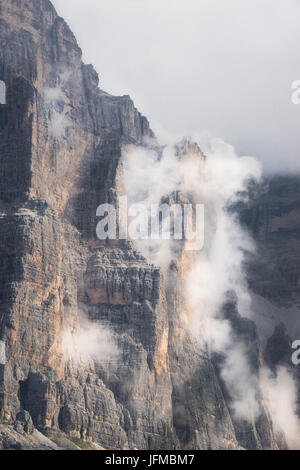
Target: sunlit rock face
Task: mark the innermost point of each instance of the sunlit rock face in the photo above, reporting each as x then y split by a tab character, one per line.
61	138
60	147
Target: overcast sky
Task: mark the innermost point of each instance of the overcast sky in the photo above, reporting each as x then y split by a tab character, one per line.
222	66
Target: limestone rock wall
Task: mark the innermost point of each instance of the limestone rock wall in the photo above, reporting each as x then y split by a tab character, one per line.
60	147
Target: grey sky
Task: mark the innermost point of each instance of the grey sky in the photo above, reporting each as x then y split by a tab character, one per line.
223	66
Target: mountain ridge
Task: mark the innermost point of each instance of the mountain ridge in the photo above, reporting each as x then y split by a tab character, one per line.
61	141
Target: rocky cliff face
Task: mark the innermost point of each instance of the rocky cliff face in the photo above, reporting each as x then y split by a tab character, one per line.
272	215
273	218
60	148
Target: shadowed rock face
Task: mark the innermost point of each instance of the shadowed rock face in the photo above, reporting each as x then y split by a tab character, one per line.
60	148
273	218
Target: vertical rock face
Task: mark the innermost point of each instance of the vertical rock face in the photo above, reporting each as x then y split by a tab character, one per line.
60	149
61	139
273	218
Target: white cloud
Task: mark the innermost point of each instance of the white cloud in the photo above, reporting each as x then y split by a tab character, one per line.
281	392
219	180
89	341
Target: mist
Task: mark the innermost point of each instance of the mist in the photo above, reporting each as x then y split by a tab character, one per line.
219	180
281	393
89	341
54	102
